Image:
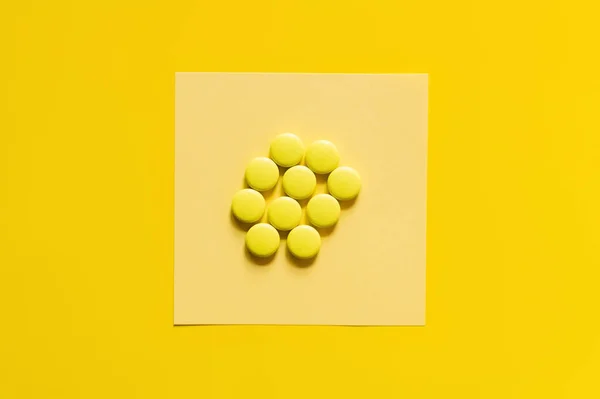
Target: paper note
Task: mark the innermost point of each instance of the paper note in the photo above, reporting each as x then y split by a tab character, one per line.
371	266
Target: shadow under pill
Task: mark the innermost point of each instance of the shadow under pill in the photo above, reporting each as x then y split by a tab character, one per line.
257	260
321	179
303	202
239	225
347	204
327	231
301	263
269	194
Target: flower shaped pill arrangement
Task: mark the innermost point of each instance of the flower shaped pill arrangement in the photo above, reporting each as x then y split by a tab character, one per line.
284	214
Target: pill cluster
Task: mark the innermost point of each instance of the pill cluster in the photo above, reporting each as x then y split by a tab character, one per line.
299	183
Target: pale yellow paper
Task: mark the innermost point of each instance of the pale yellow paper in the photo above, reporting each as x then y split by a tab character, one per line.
371	268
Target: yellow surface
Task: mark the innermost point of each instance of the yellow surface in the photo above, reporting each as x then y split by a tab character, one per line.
299	182
304	242
322	156
344	183
323	210
286	149
262	240
284	213
248	205
86	199
261	174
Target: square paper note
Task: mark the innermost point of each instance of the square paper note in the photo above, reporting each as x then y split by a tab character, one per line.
371	267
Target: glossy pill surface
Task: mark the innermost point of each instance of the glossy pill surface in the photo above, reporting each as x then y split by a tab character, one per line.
344	183
262	174
262	240
322	157
299	182
284	213
323	211
304	242
248	205
287	150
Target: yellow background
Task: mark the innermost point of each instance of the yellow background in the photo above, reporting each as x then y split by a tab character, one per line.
86	199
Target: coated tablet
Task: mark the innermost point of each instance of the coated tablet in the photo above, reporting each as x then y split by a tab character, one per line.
322	157
299	182
287	150
304	242
248	205
262	240
262	174
284	213
323	211
344	183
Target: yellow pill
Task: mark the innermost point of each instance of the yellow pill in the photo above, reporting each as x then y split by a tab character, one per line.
262	240
262	174
304	242
323	210
344	183
299	182
322	157
284	213
287	150
248	205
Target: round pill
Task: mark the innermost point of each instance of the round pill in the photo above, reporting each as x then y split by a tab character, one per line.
284	213
304	242
322	157
287	150
344	183
248	205
262	174
299	182
323	210
262	240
